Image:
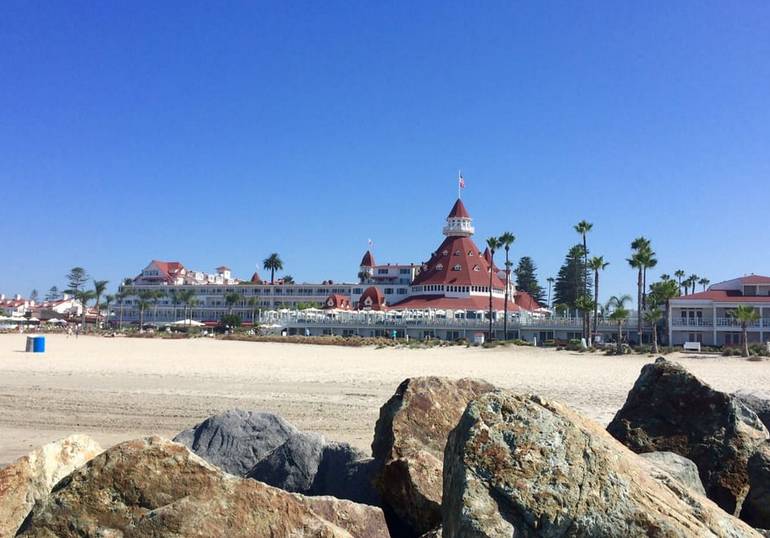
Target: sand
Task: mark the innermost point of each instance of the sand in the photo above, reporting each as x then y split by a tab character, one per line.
120	388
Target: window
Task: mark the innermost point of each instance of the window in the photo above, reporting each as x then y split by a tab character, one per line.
445	253
358	290
388	291
476	268
470	253
457	267
439	267
382	271
402	291
404	271
457	253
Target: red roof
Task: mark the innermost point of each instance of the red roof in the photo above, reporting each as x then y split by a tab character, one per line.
755	279
336	300
367	260
372	299
526	301
724	296
457	262
255	278
476	302
459	211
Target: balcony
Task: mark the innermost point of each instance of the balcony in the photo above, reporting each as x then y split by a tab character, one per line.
720	323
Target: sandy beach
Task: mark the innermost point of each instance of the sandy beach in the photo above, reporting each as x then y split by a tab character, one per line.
119	388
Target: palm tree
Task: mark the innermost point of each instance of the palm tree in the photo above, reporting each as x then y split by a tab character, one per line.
583	227
191	301
693	280
83	297
550	281
143	302
596	264
173	296
100	286
746	315
506	240
186	297
108	300
288	279
679	274
157	295
230	300
652	317
253	303
272	263
363	277
493	244
704	282
619	315
120	296
665	276
585	304
661	294
637	262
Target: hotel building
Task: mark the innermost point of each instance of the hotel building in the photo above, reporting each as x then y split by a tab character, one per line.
705	317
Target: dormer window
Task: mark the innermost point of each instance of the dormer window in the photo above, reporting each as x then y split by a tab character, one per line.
439	267
456	267
457	252
476	268
445	253
470	253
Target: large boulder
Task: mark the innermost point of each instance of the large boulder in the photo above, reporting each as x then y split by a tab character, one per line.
408	446
346	473
293	465
523	466
679	467
31	478
236	440
756	507
757	402
670	409
155	487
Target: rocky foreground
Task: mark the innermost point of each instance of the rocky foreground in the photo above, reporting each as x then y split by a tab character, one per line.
453	458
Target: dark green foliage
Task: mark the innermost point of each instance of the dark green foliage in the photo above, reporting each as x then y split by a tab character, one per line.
230	320
570	281
526	279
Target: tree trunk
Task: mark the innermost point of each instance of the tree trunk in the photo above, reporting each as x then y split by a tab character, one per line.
639	305
505	306
620	338
120	320
491	271
596	306
744	327
655	339
141	320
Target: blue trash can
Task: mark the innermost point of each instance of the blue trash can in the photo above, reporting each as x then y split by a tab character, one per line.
38	344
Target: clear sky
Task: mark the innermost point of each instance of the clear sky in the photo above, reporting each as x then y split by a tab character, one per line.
218	132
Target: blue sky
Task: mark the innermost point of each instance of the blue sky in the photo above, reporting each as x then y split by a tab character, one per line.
216	133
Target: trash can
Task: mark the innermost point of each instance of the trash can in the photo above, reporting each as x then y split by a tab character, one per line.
30	344
38	344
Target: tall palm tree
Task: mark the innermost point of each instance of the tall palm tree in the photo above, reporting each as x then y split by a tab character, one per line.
704	282
693	280
661	294
288	279
506	240
144	300
550	281
108	300
665	276
746	315
100	286
84	297
619	315
191	302
120	297
679	274
156	296
583	227
585	304
186	297
231	299
493	244
253	303
652	317
173	296
272	263
596	264
637	262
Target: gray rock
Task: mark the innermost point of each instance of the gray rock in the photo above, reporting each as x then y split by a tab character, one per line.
293	465
670	409
679	467
236	440
306	464
522	466
760	404
756	507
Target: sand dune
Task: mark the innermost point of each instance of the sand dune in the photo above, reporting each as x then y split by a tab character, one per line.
115	389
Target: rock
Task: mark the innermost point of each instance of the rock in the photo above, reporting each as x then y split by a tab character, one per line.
435	533
756	507
293	465
346	473
679	467
31	477
236	440
760	404
408	446
357	519
525	466
155	487
670	409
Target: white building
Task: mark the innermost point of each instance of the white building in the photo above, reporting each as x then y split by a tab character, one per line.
706	316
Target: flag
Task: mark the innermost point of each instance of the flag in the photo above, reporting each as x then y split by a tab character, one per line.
371	243
461	181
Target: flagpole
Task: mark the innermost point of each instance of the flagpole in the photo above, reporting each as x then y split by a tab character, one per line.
459	175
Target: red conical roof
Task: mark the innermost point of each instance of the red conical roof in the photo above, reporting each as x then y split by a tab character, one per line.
457	262
255	278
459	211
367	260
